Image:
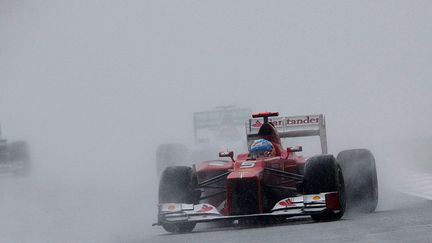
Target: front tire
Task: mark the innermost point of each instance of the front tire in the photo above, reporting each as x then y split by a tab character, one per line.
358	167
178	185
323	174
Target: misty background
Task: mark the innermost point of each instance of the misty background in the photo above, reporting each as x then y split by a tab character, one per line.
96	86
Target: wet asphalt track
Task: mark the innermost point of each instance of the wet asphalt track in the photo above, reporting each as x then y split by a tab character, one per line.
36	210
405	219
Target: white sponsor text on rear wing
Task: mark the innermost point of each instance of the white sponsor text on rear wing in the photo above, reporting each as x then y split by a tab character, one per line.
292	126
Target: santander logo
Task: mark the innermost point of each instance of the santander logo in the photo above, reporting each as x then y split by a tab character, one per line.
302	120
286	203
205	208
289	121
257	124
276	123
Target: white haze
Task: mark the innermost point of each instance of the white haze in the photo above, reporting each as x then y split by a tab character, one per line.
95	86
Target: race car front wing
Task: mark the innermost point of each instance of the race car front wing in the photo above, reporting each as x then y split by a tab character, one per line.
292	206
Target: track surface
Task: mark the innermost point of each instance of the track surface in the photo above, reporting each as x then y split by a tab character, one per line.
404	214
410	223
37	209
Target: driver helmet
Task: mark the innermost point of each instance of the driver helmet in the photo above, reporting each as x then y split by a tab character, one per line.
261	147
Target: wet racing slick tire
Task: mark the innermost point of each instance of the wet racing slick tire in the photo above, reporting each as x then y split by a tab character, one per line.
361	183
323	174
178	185
170	154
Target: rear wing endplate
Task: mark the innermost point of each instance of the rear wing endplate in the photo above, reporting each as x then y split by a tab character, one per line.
291	127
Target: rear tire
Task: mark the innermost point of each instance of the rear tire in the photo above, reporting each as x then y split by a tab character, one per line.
358	167
178	185
323	174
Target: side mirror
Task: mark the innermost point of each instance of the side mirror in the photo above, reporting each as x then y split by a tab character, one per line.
227	154
294	149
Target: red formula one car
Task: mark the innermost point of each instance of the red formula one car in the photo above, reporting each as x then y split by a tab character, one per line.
274	185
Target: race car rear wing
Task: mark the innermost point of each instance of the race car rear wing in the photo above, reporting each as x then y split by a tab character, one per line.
291	127
225	115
